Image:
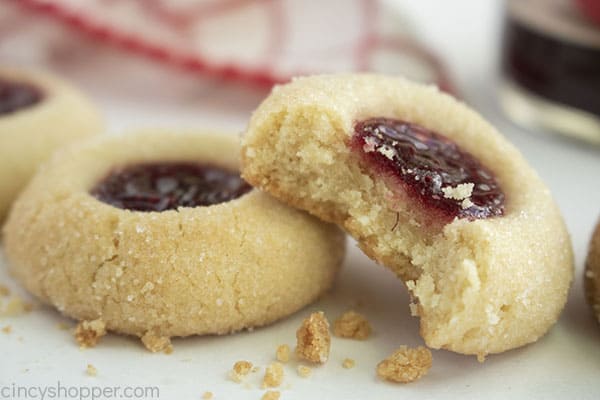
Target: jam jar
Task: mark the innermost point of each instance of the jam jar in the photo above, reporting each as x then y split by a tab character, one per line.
550	67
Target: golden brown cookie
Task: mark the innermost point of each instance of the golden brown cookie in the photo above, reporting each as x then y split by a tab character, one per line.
38	114
428	188
241	260
592	273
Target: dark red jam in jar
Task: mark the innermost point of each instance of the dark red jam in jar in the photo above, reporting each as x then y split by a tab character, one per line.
551	67
435	172
15	95
168	186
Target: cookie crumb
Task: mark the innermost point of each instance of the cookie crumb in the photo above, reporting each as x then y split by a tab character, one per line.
313	339
4	291
304	371
271	395
239	370
348	363
207	396
88	333
7	329
156	343
481	357
91	370
405	365
15	307
273	375
459	192
283	353
352	325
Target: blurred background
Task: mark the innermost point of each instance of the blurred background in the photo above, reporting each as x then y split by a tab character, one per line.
213	60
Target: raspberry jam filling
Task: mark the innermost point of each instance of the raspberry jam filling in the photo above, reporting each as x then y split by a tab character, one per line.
17	95
430	167
168	186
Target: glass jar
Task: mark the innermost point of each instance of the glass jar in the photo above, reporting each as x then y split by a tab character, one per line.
551	68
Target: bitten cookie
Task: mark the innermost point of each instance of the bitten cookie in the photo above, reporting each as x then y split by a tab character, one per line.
427	188
592	273
157	235
38	113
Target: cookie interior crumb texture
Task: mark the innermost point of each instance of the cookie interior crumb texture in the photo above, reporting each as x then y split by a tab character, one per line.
273	375
91	370
304	371
271	395
352	325
89	333
313	338
405	365
192	271
479	286
282	354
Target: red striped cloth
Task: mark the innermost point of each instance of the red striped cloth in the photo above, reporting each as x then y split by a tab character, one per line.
258	41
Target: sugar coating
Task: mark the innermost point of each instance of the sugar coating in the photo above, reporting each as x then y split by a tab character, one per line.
313	338
202	270
405	365
273	375
479	287
88	333
592	273
29	136
352	325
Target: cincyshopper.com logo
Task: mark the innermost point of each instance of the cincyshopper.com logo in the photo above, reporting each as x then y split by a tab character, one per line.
68	392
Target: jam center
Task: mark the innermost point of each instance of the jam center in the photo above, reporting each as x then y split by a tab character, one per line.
17	95
431	168
168	186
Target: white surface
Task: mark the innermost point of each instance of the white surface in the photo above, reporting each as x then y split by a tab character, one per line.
563	364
